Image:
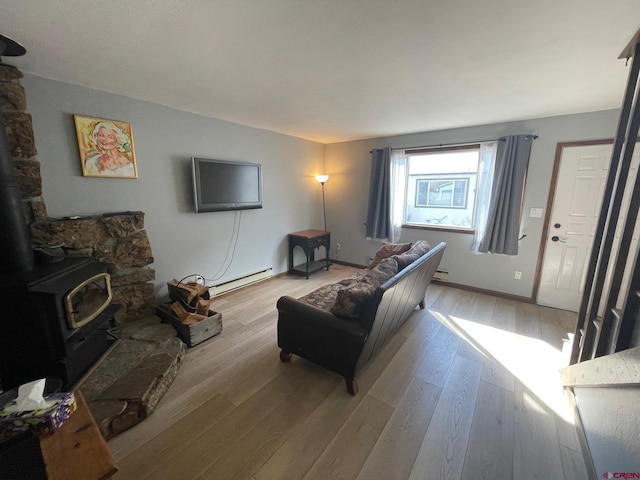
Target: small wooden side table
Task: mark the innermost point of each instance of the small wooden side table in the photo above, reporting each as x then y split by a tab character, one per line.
309	240
77	451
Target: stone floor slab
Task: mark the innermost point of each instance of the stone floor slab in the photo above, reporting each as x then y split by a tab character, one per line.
128	384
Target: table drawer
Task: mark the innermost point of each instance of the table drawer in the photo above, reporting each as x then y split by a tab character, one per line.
319	242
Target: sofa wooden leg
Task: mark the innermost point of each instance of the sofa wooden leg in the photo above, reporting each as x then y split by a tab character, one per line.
285	356
352	386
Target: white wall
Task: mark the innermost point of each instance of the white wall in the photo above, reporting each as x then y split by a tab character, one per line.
182	242
610	419
347	190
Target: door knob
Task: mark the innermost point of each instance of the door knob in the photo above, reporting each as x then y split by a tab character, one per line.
556	238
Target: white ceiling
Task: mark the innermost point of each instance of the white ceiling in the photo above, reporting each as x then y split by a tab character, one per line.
336	70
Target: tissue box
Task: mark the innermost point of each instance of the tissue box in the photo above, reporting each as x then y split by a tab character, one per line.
46	420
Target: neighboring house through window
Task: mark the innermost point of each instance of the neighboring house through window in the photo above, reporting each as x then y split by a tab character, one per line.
441	186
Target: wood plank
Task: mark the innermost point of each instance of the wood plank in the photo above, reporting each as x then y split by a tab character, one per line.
567	421
497	374
162	447
77	450
372	370
317	382
249	377
407	328
306	443
446	301
503	319
395	451
528	320
469	311
443	449
537	450
436	362
568	319
392	383
253	449
199	453
504	315
484	310
490	451
552	329
344	456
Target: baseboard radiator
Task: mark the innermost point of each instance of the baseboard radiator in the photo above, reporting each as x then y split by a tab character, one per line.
240	282
441	275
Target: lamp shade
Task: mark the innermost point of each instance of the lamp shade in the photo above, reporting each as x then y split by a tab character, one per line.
322	178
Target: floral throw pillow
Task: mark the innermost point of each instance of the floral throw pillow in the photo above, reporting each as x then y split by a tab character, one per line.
405	260
324	297
387	250
386	269
350	302
415	252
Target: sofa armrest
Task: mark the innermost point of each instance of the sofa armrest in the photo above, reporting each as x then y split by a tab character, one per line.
319	336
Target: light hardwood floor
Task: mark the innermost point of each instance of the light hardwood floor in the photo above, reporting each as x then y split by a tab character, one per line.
467	389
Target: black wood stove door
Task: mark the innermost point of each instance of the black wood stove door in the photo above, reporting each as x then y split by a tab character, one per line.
36	339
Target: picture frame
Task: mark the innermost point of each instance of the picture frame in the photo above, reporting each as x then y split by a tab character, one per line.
106	147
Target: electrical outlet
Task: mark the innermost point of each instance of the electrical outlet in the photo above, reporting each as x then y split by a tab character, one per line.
338	246
518	275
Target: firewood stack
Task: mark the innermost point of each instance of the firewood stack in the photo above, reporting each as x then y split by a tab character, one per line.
190	301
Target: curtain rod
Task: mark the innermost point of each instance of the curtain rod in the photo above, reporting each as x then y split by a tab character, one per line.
453	144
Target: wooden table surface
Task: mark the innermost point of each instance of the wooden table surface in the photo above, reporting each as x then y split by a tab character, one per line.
77	450
310	233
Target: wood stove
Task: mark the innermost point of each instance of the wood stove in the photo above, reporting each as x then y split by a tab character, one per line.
55	320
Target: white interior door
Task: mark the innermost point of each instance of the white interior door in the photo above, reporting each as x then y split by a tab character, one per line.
580	187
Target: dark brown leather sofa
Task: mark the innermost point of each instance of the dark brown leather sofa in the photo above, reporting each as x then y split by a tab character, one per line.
344	345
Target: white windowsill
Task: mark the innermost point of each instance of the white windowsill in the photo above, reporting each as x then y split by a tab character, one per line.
441	228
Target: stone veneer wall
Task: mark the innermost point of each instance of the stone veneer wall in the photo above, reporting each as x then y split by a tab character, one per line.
117	239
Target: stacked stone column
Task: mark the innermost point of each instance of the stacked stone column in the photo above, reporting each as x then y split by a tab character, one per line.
19	130
119	240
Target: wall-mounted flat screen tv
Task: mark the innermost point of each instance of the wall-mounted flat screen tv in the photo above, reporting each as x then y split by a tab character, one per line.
220	185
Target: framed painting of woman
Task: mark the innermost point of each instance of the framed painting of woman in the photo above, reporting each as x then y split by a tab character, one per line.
106	147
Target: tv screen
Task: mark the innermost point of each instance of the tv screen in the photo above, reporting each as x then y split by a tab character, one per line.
226	185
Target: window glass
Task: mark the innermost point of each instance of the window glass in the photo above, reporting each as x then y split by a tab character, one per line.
441	187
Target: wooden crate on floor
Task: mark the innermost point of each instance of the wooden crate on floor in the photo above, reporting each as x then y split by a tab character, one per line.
194	332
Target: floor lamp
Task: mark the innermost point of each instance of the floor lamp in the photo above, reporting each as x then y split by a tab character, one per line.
323	179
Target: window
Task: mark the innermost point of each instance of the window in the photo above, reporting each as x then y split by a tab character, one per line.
442	192
454	188
441	186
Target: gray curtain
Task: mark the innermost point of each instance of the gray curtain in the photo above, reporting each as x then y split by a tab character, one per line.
379	212
503	221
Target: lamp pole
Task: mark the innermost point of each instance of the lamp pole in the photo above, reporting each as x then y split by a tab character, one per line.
324	210
323	179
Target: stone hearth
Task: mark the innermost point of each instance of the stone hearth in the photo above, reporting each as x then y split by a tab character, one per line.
126	386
